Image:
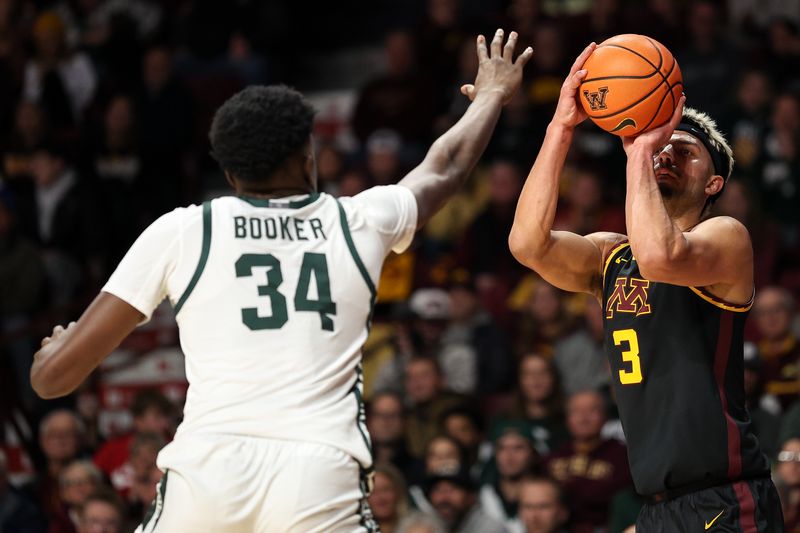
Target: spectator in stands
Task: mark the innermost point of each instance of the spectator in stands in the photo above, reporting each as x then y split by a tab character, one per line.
419	522
137	470
23	282
741	203
166	124
745	122
442	453
471	325
779	348
117	163
61	441
330	167
515	458
783	59
482	252
152	413
63	81
590	469
707	60
788	482
452	494
384	148
542	507
544	319
78	481
401	99
388	499
17	512
588	209
28	133
428	399
68	224
539	402
778	174
458	359
102	513
439	37
143	494
764	409
464	425
580	357
386	425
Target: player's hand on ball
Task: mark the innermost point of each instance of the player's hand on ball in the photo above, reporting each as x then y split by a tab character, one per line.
497	70
657	137
569	112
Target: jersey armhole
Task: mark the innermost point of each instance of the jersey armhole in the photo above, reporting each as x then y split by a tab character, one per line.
201	264
723	304
614	251
357	259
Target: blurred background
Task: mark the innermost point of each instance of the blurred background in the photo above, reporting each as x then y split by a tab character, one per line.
474	365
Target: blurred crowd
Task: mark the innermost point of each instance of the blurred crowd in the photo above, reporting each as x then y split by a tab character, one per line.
488	397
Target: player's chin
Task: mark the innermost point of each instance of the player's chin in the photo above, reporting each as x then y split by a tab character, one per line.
667	189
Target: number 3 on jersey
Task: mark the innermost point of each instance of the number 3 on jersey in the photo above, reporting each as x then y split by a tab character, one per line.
631	355
313	264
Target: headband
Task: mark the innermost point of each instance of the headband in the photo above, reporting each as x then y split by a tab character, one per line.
721	165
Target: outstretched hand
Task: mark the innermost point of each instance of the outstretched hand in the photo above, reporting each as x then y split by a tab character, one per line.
569	112
497	72
657	137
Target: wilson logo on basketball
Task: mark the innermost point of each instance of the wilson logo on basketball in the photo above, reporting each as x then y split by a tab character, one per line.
596	100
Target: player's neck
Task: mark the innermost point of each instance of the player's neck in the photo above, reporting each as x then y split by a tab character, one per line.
272	193
684	218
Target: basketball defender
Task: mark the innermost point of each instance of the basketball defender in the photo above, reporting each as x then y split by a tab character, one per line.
675	292
273	290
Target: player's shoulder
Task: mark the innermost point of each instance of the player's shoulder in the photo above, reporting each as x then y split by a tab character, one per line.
607	242
380	205
725	230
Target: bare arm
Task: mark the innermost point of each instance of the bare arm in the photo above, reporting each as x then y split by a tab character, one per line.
716	253
564	259
453	155
69	355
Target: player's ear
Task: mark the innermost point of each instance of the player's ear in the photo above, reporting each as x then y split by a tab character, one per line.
229	178
714	184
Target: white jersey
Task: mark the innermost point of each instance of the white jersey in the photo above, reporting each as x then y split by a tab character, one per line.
273	301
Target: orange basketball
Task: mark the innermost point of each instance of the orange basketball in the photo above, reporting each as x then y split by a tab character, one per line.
632	84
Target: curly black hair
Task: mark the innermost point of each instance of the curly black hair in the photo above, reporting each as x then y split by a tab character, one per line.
258	128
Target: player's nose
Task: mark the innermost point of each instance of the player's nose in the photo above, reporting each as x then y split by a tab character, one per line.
665	156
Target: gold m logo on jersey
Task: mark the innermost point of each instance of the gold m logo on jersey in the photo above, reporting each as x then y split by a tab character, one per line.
629	296
596	100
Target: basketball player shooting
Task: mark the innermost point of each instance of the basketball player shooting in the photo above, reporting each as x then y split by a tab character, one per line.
675	292
273	290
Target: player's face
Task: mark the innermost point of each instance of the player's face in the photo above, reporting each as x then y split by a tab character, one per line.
539	508
682	169
514	455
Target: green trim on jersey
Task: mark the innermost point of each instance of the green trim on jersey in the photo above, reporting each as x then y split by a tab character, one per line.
157	506
293	204
359	263
201	264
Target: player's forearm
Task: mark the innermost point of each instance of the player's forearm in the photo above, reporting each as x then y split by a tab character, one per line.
453	156
655	239
536	208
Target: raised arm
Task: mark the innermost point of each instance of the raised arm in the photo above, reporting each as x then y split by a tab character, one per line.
453	155
564	259
716	253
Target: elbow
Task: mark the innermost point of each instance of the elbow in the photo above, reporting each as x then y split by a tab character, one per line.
523	247
46	383
655	264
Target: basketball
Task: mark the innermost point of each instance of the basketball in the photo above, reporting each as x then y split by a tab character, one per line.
632	84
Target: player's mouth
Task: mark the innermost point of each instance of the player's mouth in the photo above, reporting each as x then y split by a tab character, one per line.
665	174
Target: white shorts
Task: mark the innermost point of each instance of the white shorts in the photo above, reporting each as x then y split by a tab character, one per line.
234	484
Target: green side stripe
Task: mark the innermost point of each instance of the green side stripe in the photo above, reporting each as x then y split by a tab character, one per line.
201	264
357	258
162	493
266	202
157	505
